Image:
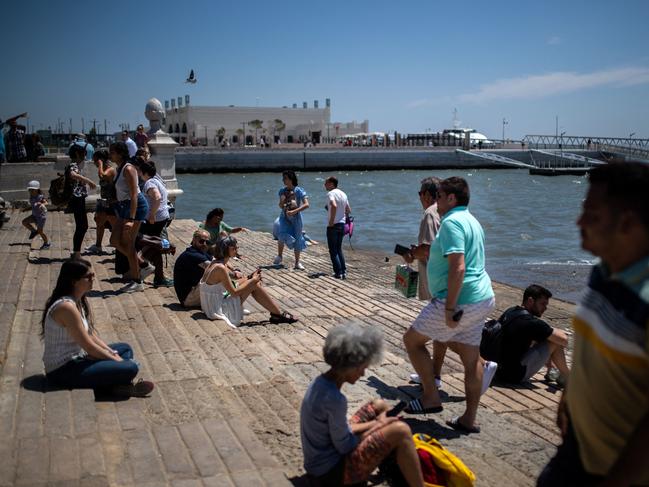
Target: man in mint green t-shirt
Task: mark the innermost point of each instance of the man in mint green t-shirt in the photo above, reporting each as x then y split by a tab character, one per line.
462	300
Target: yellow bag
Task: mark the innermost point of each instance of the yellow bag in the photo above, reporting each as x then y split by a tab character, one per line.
457	474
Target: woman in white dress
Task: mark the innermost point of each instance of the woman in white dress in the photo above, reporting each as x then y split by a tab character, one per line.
224	290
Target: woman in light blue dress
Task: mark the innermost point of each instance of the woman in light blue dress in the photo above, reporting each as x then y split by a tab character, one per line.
293	201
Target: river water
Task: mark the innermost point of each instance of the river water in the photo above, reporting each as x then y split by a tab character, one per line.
529	221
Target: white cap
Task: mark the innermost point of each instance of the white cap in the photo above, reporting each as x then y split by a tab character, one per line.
34	185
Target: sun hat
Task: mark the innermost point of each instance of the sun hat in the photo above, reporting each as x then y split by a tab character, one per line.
34	185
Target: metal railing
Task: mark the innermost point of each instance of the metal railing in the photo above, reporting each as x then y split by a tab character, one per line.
585	142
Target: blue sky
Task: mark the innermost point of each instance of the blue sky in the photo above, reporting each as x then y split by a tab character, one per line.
403	65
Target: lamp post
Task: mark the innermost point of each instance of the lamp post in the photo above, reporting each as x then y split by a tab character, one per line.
505	122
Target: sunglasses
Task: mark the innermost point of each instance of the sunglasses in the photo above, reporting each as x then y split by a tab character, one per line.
89	276
202	241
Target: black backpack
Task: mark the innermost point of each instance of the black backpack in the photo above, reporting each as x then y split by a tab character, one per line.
491	344
61	188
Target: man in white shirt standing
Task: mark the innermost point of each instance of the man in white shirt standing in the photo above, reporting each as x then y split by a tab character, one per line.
338	208
132	146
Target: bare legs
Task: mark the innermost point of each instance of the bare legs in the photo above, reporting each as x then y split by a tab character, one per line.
27	223
257	291
473	368
399	436
558	358
280	252
101	219
123	239
280	248
439	353
420	358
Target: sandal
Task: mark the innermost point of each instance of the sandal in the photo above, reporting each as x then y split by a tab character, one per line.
459	427
284	317
416	407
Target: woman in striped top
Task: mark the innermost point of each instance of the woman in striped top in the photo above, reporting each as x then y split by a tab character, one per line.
74	356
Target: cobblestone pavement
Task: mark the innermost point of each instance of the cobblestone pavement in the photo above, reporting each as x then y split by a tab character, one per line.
225	410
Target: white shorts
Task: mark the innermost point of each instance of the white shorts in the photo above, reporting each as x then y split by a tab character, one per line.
432	322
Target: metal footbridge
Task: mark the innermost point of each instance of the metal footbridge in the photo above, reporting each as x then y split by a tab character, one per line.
495	158
632	147
583	160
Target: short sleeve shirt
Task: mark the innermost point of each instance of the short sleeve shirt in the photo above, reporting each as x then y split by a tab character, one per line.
163	210
38	210
340	198
188	271
459	233
79	188
215	232
518	334
300	194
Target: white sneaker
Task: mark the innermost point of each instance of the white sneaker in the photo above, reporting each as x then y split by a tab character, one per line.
488	375
246	312
277	260
299	266
147	271
94	249
415	378
133	287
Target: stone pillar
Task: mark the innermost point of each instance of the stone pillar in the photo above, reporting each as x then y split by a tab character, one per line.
162	148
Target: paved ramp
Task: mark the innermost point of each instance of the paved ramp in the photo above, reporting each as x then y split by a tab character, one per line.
495	158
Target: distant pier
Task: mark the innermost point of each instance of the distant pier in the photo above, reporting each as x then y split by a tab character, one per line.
205	160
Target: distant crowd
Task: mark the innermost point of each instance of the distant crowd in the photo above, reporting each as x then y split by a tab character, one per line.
603	441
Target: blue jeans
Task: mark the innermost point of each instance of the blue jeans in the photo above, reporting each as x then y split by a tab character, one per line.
335	237
87	373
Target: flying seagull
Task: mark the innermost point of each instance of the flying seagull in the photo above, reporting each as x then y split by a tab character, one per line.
192	78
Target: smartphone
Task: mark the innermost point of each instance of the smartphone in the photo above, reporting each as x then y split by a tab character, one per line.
457	316
401	405
401	250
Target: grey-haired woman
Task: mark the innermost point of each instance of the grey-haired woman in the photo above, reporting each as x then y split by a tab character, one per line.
341	452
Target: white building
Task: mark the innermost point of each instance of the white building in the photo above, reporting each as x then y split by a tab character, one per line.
206	125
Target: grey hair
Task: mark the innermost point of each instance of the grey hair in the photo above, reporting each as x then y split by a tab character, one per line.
430	185
351	346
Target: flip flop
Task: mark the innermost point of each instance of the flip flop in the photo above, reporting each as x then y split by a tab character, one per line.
457	426
416	407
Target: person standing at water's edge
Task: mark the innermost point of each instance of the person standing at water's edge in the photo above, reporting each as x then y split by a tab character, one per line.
604	411
337	208
428	228
463	298
293	201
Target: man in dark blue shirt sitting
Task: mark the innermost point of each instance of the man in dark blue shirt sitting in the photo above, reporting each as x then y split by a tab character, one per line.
189	268
528	343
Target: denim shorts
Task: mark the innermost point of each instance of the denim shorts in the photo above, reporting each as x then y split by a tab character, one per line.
124	209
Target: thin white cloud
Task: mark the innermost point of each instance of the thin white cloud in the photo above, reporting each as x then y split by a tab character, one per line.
554	41
538	86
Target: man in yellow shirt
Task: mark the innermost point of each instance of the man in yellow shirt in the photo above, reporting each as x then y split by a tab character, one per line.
604	411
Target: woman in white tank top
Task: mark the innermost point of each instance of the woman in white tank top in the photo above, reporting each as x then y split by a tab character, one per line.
224	290
74	356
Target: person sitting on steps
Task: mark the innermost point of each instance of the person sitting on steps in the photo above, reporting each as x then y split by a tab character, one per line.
75	356
341	452
528	343
224	290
